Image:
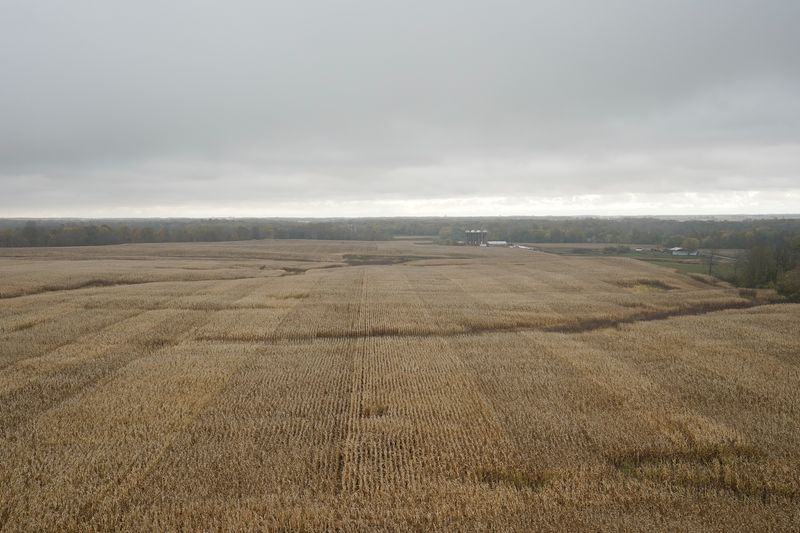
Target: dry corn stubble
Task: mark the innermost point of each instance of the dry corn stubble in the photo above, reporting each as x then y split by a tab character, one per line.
321	385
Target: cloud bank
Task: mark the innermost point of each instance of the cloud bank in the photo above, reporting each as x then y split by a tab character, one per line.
399	108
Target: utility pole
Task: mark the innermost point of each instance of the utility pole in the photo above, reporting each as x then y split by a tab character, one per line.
710	262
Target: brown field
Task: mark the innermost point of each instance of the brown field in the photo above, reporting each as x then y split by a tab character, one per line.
302	385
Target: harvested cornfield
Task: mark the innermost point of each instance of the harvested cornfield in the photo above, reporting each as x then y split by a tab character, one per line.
301	385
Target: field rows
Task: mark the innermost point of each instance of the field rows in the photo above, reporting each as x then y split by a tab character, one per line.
426	394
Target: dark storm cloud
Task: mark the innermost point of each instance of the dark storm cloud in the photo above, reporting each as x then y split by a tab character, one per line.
243	107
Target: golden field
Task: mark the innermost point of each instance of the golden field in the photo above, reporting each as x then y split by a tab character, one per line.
319	385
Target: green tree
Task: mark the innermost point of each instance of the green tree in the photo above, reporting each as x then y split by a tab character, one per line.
674	240
691	243
446	234
789	285
31	233
760	268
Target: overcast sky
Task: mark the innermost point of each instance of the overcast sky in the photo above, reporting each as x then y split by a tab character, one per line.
453	107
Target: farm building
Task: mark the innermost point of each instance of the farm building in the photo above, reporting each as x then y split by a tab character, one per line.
677	250
496	243
475	237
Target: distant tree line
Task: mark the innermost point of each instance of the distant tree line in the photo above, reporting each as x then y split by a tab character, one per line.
693	233
771	260
99	232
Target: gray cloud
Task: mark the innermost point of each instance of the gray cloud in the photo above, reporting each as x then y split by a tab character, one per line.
257	107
